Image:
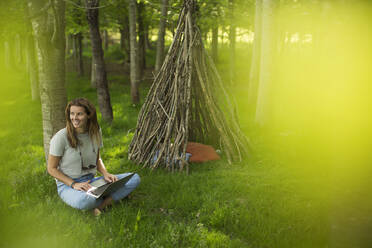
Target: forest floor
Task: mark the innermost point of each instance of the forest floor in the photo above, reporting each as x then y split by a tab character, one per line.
259	202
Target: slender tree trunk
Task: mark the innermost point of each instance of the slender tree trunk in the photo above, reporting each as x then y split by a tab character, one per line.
77	40
215	42
93	74
74	52
133	52
173	28
147	39
205	36
10	58
68	44
161	34
79	54
127	36
30	57
122	39
232	38
142	39
255	64
105	39
32	70
18	49
32	67
7	55
268	51
49	33
103	95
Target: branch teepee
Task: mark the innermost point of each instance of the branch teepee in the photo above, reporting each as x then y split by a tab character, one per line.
186	102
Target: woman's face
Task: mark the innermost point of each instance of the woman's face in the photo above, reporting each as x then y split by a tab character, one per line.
79	118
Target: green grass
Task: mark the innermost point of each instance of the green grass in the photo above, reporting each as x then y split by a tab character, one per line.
260	202
256	203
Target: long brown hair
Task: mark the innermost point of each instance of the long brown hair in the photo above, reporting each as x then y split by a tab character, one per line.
92	123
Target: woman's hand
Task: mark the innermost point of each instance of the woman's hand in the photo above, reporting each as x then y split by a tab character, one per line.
82	186
110	177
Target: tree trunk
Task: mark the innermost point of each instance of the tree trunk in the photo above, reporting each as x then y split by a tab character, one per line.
133	52
127	36
74	52
105	39
142	39
18	53
8	56
215	42
30	56
147	38
268	51
232	37
68	44
173	29
103	95
205	35
93	74
32	67
122	39
79	54
161	34
49	32
255	64
9	53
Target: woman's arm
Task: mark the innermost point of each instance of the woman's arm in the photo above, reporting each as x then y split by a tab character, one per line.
53	162
102	169
52	168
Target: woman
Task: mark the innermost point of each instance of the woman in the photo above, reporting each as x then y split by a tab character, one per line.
74	158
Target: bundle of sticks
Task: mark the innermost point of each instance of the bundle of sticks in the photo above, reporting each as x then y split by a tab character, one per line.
186	102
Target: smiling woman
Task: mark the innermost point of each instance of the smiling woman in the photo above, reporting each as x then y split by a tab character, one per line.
74	159
78	118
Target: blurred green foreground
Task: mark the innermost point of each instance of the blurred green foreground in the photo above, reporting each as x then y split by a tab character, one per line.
307	183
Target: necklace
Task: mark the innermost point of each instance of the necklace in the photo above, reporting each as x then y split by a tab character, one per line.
91	166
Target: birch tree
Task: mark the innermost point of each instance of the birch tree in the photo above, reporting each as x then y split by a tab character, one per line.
268	51
31	67
255	64
48	23
133	52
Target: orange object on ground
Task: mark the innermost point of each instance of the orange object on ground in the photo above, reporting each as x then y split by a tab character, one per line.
201	153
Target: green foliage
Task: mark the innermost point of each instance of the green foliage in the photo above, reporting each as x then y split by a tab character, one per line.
112	14
76	21
12	18
221	13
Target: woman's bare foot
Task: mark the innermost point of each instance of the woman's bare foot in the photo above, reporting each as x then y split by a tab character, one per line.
106	203
96	212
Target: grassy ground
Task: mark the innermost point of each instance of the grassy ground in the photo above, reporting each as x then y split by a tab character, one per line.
272	199
256	203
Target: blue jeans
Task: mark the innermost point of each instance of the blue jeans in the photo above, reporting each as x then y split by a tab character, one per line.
80	200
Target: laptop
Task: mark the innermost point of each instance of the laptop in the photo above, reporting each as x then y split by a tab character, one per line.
102	188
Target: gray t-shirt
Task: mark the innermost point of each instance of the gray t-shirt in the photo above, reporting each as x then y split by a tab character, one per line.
72	159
